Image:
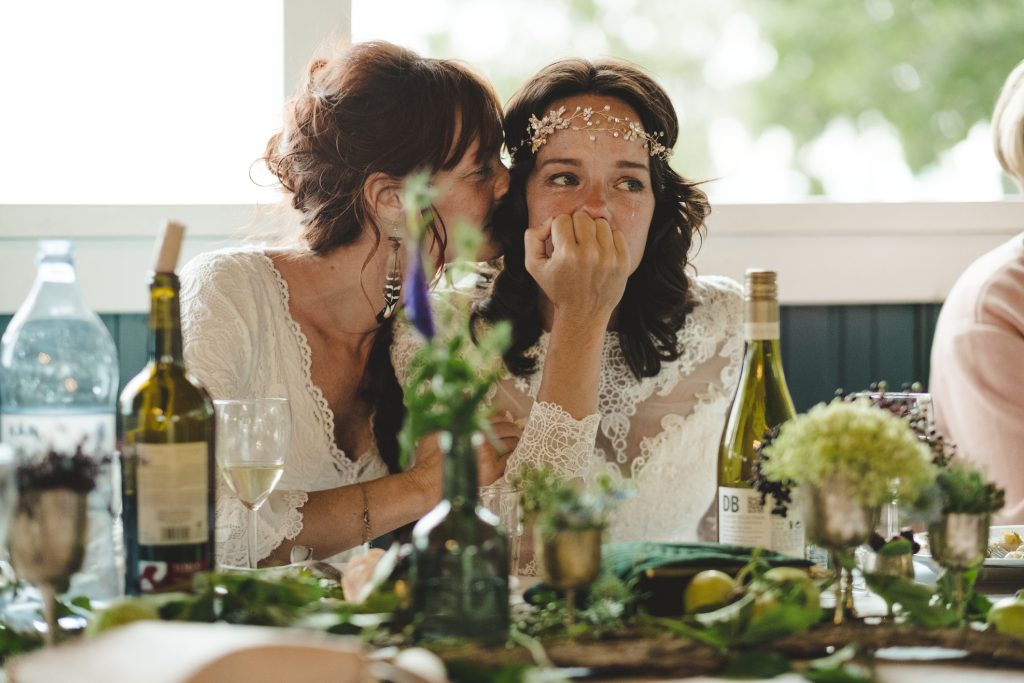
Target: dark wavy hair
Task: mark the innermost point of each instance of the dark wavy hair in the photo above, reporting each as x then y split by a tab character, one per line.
376	107
657	297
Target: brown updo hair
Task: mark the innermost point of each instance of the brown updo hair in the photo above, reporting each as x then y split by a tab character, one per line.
376	107
657	297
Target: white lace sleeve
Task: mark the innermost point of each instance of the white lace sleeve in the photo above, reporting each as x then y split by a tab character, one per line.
404	345
220	320
553	437
217	326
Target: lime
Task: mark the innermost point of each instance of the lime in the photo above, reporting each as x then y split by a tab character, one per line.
764	602
121	612
708	590
786	577
1007	616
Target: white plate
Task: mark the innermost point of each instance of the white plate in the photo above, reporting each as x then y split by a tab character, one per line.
995	533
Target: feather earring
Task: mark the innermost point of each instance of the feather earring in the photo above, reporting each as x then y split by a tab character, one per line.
393	283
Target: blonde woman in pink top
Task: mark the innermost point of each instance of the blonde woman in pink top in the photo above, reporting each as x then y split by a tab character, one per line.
977	379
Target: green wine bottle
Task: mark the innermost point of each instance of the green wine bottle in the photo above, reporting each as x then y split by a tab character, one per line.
460	560
761	403
167	450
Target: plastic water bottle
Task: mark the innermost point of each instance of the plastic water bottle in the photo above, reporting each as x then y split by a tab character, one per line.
58	386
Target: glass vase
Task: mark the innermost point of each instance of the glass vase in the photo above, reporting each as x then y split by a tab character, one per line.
460	558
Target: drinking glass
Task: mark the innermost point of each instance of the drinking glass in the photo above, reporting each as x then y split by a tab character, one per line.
503	501
252	437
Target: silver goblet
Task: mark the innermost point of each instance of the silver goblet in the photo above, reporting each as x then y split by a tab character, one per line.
958	541
835	520
47	544
569	560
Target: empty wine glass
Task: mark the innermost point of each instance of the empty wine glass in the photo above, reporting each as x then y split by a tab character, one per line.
252	437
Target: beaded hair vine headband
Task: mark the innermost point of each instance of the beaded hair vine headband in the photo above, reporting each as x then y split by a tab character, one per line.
601	120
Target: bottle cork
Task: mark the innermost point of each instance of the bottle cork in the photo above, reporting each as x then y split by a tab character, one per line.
168	247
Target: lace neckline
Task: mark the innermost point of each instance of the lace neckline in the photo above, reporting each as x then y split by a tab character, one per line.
324	413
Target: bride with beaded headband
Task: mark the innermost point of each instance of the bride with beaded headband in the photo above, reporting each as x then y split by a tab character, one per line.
621	362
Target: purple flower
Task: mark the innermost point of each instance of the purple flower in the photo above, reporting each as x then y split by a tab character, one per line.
417	296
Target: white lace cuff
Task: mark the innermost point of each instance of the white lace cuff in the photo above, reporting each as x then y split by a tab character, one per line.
555	438
280	519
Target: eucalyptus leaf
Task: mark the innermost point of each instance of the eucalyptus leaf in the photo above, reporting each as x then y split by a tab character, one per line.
777	621
916	601
901	546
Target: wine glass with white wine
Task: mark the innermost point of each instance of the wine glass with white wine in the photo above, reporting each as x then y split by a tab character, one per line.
252	437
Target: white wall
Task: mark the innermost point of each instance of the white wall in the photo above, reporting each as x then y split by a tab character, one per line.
825	253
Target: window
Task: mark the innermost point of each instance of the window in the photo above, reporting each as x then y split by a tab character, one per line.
871	100
124	102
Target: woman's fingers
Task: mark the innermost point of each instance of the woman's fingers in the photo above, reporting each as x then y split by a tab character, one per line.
562	235
535	239
621	250
603	235
584	230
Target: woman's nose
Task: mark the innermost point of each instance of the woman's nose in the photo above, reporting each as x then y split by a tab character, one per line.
595	202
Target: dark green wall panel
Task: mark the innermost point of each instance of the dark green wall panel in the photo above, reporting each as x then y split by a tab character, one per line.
894	340
810	352
857	350
131	339
823	347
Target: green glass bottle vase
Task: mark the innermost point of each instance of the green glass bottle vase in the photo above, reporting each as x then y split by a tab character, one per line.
460	558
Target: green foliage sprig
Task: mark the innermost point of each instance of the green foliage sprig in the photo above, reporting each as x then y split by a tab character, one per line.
961	488
451	375
560	505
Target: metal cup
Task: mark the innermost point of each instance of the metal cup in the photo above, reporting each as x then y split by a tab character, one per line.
48	536
894	565
569	559
832	516
958	540
835	520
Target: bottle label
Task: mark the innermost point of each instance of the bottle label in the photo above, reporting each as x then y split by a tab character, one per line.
744	520
760	331
173	489
157	577
32	434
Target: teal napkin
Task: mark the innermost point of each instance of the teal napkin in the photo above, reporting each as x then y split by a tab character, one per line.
630	561
659	572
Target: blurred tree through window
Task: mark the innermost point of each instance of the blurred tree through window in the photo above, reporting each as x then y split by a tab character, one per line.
851	100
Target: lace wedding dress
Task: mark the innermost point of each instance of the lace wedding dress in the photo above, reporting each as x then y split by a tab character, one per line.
241	341
657	436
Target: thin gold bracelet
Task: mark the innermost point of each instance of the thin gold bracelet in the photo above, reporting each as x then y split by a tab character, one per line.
366	514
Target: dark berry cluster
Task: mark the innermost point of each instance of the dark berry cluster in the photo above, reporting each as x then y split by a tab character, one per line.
877	541
904	404
57	470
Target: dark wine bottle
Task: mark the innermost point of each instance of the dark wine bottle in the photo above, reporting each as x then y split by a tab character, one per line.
762	402
460	560
167	450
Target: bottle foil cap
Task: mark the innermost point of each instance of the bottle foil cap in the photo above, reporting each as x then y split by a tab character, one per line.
760	284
